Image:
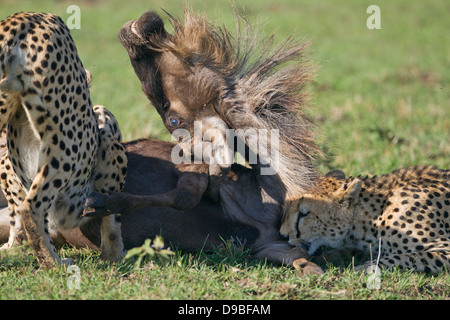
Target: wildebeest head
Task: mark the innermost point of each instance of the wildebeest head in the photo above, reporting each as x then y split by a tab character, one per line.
202	73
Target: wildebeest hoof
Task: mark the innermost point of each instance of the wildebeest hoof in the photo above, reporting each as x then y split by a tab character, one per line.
99	205
307	267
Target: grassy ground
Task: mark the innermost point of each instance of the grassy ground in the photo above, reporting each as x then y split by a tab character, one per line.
226	273
380	101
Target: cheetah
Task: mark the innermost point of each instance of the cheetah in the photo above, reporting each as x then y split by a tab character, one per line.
60	149
407	211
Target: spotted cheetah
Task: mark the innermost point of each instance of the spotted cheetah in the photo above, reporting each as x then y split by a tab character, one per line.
59	148
407	209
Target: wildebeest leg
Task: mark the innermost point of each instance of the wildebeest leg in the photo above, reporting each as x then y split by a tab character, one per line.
191	185
269	245
283	253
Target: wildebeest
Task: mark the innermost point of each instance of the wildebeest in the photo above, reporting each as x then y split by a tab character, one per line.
202	74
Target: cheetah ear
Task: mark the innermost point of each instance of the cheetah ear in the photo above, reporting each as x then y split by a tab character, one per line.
336	173
290	205
348	193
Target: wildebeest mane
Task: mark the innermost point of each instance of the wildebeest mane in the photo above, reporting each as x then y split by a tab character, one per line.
262	86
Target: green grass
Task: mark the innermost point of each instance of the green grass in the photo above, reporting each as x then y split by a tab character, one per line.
222	274
218	275
380	101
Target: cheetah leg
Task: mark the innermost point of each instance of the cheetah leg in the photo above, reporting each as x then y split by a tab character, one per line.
35	227
435	256
16	231
34	219
110	176
432	259
10	89
435	260
112	247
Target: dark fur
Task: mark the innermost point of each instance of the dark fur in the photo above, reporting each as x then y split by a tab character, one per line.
241	205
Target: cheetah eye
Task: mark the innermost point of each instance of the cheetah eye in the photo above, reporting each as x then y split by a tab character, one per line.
174	122
303	213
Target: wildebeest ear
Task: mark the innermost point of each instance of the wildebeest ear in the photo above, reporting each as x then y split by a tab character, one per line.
150	23
336	173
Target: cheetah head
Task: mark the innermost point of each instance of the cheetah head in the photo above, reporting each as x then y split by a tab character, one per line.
322	217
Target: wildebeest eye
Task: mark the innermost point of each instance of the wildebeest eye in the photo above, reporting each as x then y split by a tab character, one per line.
174	122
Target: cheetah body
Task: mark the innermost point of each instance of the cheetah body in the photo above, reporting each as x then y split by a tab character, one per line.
407	210
59	149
